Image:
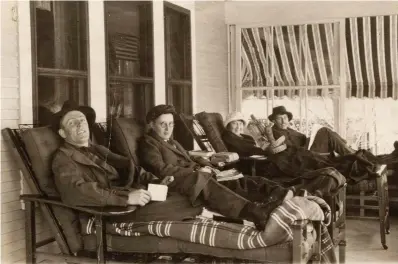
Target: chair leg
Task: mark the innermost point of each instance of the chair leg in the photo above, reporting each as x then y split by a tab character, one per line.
342	249
101	239
382	210
387	201
30	232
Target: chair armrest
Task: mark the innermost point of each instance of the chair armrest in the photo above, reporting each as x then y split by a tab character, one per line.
97	211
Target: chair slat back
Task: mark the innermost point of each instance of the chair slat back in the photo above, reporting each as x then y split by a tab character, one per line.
197	132
13	138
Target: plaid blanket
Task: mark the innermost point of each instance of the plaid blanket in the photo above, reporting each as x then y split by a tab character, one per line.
235	236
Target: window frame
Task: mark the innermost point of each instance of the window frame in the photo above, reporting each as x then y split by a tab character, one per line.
130	80
53	72
182	83
234	64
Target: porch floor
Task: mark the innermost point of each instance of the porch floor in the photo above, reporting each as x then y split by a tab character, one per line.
363	242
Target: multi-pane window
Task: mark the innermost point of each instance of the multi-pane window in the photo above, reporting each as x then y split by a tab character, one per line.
60	34
296	66
129	39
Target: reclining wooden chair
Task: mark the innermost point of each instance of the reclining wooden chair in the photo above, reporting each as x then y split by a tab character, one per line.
33	149
207	130
126	132
372	190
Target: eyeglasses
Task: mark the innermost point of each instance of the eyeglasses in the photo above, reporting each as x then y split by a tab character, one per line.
164	125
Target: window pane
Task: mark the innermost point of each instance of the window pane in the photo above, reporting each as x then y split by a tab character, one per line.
181	97
371	123
178	44
61	34
129	34
54	91
130	100
322	105
319	107
261	106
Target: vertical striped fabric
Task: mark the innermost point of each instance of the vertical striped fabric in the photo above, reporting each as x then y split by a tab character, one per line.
303	55
372	56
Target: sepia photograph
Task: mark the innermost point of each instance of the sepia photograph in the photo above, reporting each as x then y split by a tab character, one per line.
198	131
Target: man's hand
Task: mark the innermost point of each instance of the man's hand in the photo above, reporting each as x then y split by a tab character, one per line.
209	170
167	180
139	197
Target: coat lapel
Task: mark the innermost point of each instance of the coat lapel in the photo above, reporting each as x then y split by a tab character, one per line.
80	157
178	150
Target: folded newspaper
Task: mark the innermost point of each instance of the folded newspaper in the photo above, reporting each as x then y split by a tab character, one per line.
201	153
228	175
225	156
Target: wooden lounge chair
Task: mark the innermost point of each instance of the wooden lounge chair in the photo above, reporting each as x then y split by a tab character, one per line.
368	190
33	149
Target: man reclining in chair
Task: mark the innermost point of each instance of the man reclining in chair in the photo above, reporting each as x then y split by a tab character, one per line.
86	174
163	156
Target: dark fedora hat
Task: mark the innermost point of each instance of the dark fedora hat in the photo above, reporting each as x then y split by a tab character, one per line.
69	106
280	110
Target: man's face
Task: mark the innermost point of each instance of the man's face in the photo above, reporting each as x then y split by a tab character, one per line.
164	126
74	128
281	121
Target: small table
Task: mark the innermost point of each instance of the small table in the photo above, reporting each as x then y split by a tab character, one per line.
254	159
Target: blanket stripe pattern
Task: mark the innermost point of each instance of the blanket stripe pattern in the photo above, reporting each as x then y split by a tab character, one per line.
236	236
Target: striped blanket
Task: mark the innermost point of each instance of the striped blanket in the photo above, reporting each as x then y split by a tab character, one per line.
235	236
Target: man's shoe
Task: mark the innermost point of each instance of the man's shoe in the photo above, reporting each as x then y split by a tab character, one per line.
259	213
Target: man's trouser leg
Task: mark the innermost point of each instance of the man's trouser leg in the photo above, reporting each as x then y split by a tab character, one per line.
215	195
327	141
256	189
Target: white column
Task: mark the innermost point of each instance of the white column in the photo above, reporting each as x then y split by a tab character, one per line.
25	62
97	59
193	59
159	53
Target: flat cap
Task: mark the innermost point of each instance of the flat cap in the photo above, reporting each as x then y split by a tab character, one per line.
159	110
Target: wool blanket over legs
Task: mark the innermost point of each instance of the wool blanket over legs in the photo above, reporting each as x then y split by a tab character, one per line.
235	236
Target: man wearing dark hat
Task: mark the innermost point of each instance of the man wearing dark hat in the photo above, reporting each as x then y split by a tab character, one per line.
325	141
162	155
86	174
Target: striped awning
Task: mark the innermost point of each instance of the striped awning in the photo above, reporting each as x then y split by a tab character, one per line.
303	55
372	56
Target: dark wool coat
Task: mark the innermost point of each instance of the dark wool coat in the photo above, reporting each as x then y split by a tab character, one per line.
82	182
293	137
245	145
164	159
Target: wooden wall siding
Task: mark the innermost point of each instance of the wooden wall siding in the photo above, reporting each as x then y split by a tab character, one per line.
211	58
12	217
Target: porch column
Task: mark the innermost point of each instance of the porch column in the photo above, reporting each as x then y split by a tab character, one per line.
97	59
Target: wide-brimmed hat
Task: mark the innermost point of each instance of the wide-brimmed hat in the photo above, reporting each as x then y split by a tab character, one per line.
159	110
280	110
234	116
69	106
